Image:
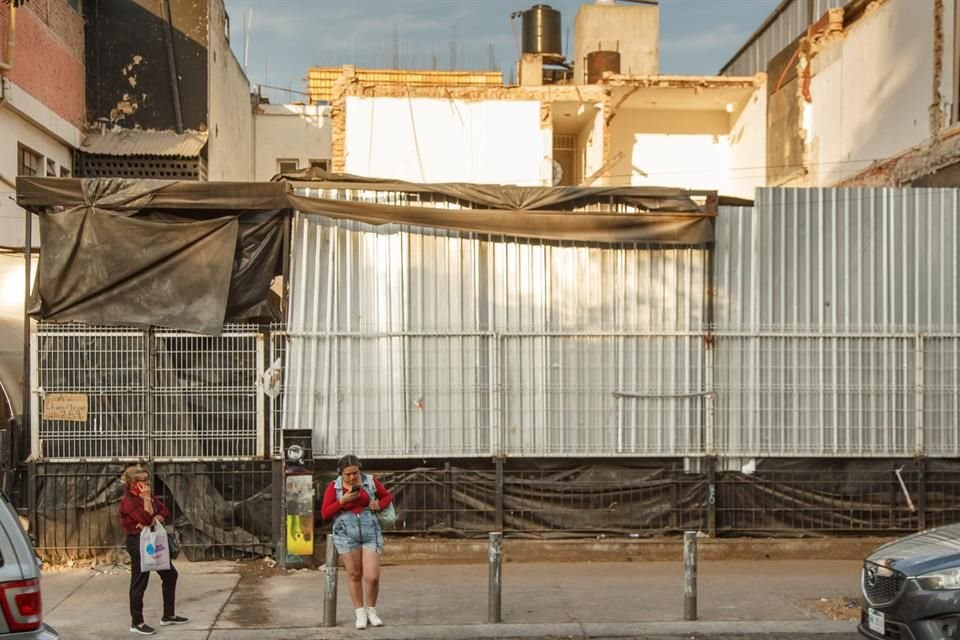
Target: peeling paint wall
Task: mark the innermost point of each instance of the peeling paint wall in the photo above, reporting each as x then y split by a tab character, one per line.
230	145
872	91
291	131
128	74
447	140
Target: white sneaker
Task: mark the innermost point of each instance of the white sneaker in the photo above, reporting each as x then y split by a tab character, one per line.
373	617
361	618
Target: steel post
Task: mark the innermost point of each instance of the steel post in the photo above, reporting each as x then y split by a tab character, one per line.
330	584
689	575
495	557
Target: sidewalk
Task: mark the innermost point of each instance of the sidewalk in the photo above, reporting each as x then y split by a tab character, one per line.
249	600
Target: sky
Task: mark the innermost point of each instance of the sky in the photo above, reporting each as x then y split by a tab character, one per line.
697	37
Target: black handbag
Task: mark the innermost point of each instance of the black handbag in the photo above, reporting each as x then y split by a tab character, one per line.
173	539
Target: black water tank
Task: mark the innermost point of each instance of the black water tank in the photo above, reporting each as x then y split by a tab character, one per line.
542	31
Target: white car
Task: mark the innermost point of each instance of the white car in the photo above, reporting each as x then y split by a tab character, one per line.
20	601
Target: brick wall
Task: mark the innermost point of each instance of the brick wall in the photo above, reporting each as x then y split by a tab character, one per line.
48	59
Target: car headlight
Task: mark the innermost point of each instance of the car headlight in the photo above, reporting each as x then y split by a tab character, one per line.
939	580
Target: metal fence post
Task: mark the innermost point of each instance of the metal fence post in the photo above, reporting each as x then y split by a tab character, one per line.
330	584
149	369
279	513
498	499
495	557
689	575
922	492
712	497
918	347
448	494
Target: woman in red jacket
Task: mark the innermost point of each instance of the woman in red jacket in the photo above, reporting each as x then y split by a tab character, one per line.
351	501
139	508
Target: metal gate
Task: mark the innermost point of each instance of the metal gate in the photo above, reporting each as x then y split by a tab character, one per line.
114	393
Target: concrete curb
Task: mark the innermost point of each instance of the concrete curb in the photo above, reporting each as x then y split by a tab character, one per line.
404	551
738	628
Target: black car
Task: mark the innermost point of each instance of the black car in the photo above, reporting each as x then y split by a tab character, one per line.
911	587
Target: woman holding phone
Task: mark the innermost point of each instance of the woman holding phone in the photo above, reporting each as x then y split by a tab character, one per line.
350	501
139	508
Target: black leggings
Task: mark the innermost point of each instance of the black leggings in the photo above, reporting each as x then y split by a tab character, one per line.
140	579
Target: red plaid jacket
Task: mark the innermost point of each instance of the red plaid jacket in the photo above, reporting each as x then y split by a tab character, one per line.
133	517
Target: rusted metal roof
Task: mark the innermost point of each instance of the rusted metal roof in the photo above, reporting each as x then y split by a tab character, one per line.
134	142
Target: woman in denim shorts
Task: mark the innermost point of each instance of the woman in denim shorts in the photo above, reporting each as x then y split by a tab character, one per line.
351	501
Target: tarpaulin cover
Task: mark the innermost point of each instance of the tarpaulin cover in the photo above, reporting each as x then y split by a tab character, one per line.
672	216
193	255
116	257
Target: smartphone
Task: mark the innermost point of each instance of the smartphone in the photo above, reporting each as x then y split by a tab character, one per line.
355	489
136	488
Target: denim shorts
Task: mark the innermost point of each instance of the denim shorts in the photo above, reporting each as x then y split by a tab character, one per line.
352	531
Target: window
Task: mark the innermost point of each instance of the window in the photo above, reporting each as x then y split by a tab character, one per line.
29	162
64	172
286	165
320	164
51	168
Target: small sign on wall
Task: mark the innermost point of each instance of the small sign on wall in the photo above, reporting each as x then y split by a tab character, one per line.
65	406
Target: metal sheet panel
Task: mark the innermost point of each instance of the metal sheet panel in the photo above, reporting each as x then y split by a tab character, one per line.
416	342
790	23
837	323
134	142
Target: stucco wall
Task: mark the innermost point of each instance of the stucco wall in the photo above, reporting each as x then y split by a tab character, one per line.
435	140
21	117
872	91
688	149
591	140
290	131
633	30
748	139
230	143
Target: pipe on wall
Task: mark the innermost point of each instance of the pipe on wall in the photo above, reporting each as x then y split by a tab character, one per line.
7	62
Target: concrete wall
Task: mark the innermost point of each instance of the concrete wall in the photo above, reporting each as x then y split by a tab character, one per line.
631	29
872	91
290	131
436	140
687	149
230	145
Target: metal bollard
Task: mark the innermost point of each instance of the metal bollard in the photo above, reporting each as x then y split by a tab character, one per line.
330	584
689	575
495	556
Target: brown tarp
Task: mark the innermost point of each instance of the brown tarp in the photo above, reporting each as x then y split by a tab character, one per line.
193	255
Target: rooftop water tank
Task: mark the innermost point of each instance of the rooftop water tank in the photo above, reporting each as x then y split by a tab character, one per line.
542	32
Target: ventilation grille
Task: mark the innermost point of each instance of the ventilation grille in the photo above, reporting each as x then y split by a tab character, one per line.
147	167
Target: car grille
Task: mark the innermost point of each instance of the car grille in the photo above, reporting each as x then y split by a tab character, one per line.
880	589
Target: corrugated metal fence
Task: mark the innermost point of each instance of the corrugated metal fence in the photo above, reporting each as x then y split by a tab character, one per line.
837	333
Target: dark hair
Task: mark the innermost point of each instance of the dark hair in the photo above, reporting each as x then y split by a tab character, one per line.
348	460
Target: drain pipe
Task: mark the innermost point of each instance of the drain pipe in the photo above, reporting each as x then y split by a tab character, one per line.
172	64
7	63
